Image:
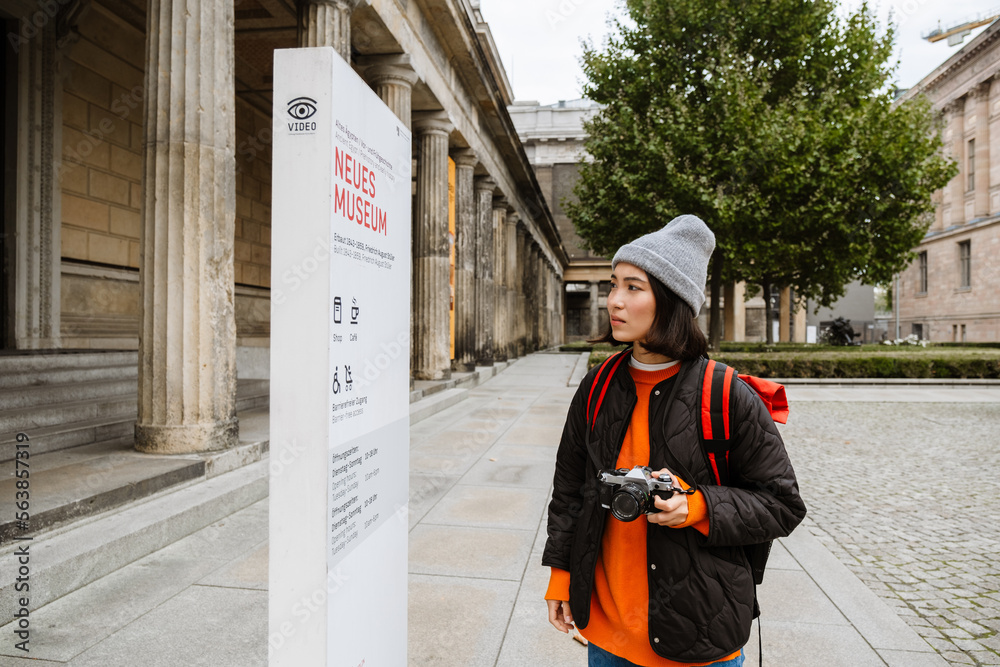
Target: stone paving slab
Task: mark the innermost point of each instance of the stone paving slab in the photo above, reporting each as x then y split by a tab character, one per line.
456	621
462	551
188	630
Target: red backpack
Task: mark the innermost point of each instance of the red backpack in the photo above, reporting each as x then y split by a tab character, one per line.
717	381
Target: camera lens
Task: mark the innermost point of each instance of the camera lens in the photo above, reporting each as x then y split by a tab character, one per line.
629	502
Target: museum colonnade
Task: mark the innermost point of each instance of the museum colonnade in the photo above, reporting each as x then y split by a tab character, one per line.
485	253
514	285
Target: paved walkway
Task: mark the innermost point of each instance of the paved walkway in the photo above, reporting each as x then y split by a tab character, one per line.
480	478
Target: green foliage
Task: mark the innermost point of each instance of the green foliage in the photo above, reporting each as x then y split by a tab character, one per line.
773	121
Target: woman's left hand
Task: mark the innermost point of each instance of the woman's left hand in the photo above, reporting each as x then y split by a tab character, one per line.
674	510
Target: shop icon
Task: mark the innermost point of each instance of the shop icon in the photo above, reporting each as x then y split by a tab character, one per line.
336	310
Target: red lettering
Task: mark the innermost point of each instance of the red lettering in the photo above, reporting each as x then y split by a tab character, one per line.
349	164
380	222
364	180
338	163
371	182
338	199
367	214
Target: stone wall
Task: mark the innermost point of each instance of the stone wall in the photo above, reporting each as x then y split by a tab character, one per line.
102	141
253	196
102	98
946	306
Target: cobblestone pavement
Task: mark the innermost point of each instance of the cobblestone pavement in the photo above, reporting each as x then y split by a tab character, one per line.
907	495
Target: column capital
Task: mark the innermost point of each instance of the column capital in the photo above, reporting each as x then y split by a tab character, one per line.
485	184
982	89
499	203
432	122
955	106
464	157
388	69
513	217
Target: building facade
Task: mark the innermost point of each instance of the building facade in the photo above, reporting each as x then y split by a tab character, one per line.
553	138
951	292
137	190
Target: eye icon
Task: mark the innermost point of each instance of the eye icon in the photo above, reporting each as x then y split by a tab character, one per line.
301	108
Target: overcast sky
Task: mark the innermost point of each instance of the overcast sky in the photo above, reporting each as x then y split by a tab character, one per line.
539	40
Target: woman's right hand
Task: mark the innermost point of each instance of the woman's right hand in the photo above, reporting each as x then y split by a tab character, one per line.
560	615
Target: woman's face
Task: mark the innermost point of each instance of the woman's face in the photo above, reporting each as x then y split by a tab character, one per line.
631	304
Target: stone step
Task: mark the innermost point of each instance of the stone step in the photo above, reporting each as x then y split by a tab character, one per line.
74	434
28	420
70	484
42	361
75	423
252	394
27	398
67	559
32	378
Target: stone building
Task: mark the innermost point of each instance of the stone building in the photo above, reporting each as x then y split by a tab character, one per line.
951	292
553	137
137	190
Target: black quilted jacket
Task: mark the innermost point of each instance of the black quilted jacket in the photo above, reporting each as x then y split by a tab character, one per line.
701	591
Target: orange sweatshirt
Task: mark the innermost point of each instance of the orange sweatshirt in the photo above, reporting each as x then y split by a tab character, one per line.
619	604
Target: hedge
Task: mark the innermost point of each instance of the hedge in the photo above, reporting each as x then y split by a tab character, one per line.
894	362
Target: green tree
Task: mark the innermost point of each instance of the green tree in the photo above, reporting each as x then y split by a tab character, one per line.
773	121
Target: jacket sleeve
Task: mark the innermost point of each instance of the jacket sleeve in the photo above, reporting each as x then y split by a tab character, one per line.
567	485
763	502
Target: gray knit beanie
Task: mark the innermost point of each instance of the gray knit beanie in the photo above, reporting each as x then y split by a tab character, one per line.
677	255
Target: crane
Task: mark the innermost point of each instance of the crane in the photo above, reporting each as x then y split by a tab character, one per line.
957	33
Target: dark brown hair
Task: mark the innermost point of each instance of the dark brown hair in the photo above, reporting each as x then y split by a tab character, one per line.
674	333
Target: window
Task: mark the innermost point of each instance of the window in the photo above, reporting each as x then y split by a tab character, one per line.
964	339
954	333
965	264
972	165
922	279
917	330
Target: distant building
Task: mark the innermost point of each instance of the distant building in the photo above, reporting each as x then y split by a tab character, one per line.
553	137
951	292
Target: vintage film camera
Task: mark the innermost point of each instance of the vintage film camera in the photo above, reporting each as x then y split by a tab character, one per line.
629	493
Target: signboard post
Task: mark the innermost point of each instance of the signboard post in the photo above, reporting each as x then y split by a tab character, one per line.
340	324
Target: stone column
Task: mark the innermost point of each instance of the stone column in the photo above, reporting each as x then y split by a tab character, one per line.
595	310
981	205
485	297
784	314
465	259
392	79
431	250
187	346
38	220
327	23
533	297
501	333
957	185
517	286
735	312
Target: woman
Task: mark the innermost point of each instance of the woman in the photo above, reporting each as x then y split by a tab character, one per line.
673	587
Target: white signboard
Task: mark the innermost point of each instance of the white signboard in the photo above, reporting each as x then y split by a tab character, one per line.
340	330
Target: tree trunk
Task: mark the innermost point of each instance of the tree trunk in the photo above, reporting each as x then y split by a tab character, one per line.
715	314
765	285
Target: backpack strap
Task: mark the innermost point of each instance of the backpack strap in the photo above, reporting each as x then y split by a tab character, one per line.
713	426
607	371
